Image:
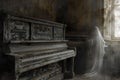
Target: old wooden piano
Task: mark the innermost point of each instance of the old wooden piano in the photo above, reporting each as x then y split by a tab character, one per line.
34	49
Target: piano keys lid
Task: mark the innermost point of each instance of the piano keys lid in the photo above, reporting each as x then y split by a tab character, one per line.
21	48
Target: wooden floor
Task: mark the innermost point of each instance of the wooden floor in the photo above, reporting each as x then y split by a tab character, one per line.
94	78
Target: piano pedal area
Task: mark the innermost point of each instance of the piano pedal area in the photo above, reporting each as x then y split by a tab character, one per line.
49	72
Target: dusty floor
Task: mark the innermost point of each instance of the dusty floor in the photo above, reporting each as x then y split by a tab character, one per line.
94	78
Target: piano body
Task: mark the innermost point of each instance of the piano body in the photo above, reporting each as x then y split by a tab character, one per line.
33	49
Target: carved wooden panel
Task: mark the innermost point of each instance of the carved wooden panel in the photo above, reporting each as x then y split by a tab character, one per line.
29	30
18	30
58	33
41	32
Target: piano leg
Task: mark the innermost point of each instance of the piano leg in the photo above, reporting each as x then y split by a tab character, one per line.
68	68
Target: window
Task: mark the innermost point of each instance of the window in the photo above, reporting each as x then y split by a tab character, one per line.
117	18
112	20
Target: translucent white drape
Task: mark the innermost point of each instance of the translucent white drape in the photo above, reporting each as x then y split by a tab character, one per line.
97	51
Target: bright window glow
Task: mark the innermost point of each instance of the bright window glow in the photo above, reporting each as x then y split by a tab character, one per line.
117	26
117	18
117	1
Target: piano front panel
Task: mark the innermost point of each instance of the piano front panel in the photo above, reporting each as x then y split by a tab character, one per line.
17	30
58	33
41	32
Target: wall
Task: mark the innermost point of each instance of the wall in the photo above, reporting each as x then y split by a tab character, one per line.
77	14
45	9
84	15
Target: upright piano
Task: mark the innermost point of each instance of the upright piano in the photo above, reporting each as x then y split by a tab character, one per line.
34	49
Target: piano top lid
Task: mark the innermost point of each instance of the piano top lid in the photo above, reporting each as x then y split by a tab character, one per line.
36	47
40	41
30	19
